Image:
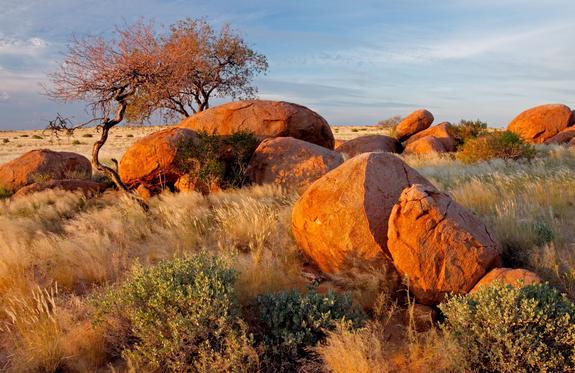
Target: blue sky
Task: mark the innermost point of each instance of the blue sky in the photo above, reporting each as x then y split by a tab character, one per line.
354	62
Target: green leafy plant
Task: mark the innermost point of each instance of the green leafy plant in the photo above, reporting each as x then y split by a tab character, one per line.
183	317
76	142
501	144
290	322
37	137
466	130
5	193
221	160
507	329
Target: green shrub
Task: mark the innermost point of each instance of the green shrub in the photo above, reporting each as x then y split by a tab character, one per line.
5	141
217	159
87	135
129	135
291	322
183	316
36	137
76	142
466	130
503	145
5	193
505	329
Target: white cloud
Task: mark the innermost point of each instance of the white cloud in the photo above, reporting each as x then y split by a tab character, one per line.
18	47
4	97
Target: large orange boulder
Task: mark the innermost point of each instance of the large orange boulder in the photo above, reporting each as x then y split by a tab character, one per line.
291	163
541	123
43	165
343	215
413	123
87	187
441	132
425	145
508	276
153	160
263	119
439	245
368	144
562	137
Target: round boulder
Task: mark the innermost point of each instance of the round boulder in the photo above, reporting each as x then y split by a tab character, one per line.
43	165
343	215
441	132
368	144
263	119
439	245
541	123
508	276
562	137
152	161
291	163
413	123
86	187
425	145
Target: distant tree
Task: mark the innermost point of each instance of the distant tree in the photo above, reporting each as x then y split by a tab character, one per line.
390	122
202	63
107	74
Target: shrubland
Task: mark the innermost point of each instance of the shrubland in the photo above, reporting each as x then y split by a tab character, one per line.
100	284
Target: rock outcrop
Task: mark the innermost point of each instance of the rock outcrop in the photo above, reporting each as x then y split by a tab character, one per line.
86	187
368	144
439	245
541	123
43	165
291	163
562	137
441	132
263	119
415	122
343	215
425	145
508	276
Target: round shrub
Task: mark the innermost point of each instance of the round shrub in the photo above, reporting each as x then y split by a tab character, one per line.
183	317
466	130
505	329
290	322
501	144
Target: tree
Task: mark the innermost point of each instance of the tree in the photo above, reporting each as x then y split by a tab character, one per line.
202	63
106	74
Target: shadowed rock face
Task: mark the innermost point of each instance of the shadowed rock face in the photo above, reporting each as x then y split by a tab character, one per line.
87	187
413	123
440	132
425	145
291	163
43	165
508	276
368	144
562	137
438	244
541	123
344	214
152	160
264	119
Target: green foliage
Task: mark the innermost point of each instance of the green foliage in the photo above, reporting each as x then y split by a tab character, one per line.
183	316
217	159
87	135
543	232
5	193
505	329
37	137
466	130
76	142
503	145
290	322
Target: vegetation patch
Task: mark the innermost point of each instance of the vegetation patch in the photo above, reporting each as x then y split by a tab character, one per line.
502	145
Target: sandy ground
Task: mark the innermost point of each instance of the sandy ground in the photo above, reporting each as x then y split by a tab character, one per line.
15	143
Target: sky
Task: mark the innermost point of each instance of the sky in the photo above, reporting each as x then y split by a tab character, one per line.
354	62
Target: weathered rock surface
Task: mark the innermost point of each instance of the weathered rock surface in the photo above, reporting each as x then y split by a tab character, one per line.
43	165
562	137
413	123
291	163
508	276
438	244
441	132
541	122
425	145
343	215
368	144
339	142
263	119
87	187
152	161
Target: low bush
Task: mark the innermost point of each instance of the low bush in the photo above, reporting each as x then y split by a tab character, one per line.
5	193
76	142
87	135
502	145
37	137
505	329
220	160
182	316
466	130
291	322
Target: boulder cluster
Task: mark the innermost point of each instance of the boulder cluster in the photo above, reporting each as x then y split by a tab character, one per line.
357	202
